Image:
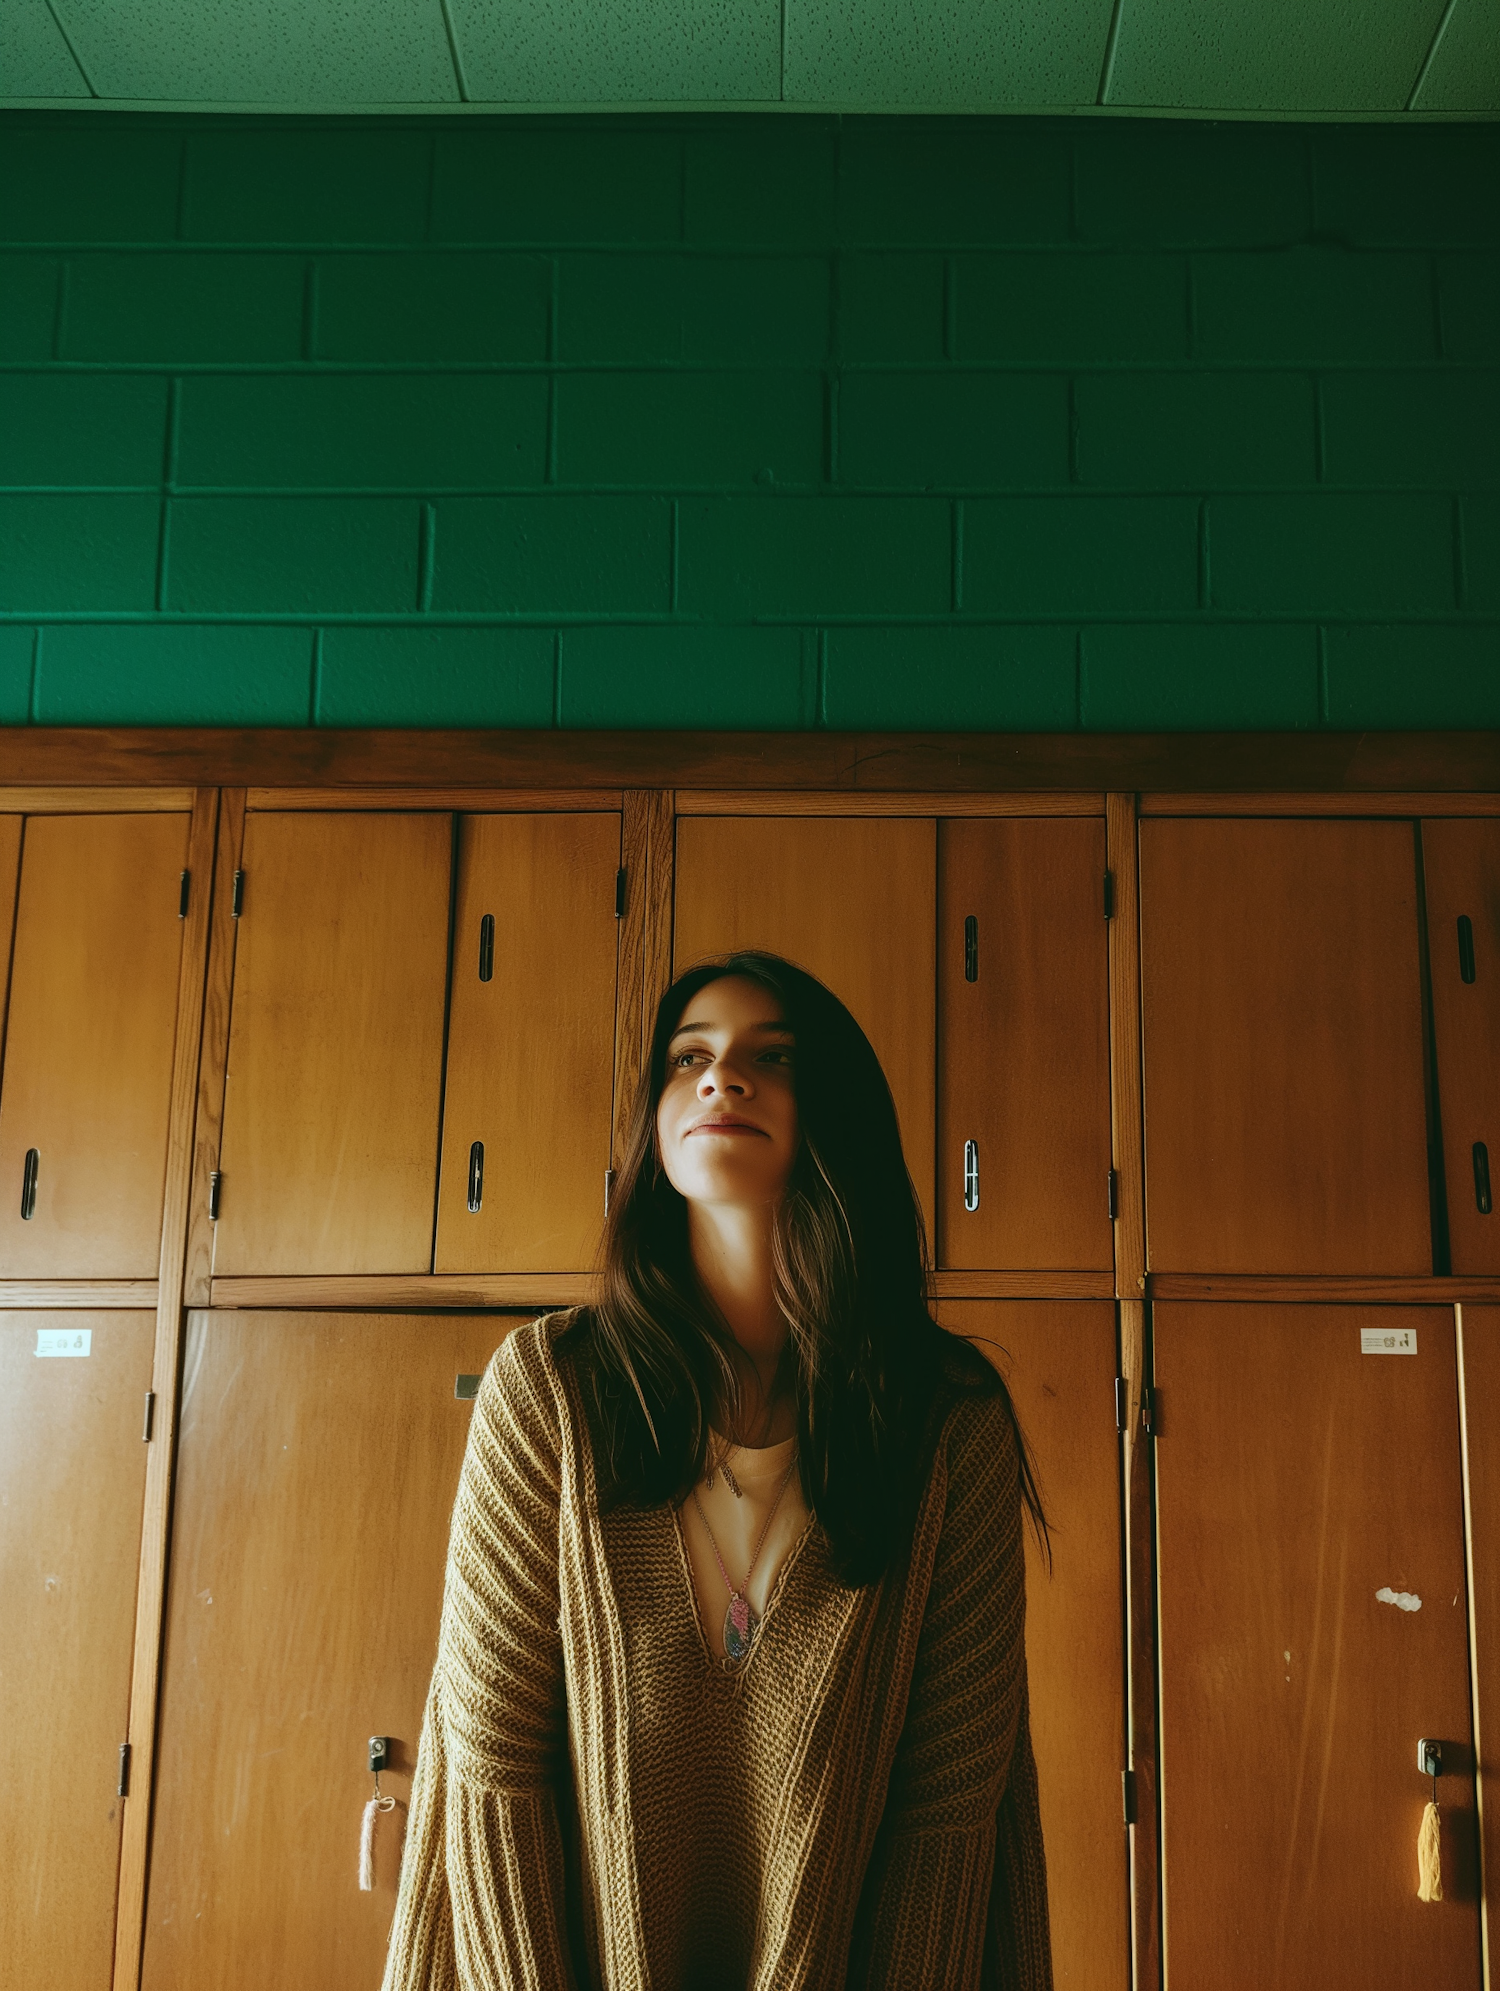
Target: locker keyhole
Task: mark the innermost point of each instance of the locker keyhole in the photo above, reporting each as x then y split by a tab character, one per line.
971	1175
1466	947
971	949
487	947
1482	1179
29	1170
476	1177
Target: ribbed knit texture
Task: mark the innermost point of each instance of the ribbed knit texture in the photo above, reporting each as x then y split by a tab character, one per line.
598	1803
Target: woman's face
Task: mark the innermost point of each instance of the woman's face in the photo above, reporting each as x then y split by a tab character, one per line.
726	1123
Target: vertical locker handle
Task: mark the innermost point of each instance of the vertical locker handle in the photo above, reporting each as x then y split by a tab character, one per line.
487	948
476	1178
29	1171
971	948
1465	947
971	1175
184	891
237	896
1482	1201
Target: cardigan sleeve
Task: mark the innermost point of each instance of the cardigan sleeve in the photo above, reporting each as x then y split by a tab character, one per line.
957	1894
480	1903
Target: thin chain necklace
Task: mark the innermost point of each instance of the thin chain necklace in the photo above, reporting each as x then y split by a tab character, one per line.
742	1620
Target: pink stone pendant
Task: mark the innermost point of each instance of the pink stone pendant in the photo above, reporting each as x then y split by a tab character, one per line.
740	1626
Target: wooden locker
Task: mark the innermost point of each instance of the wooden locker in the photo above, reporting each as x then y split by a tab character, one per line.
1481	1379
72	1476
1023	1045
331	1107
1059	1360
1461	865
88	1049
1282	1008
1312	1628
530	1044
317	1464
852	899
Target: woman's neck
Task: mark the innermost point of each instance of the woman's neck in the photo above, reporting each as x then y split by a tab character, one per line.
731	1249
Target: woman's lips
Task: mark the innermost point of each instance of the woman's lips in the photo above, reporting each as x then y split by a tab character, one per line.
726	1127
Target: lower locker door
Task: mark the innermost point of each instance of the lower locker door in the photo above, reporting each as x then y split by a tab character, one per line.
318	1460
72	1477
1059	1359
1313	1628
1481	1373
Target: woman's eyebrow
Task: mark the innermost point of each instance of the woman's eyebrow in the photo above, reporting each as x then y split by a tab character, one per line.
684	1029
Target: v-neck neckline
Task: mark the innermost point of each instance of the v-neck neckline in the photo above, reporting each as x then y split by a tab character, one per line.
730	1670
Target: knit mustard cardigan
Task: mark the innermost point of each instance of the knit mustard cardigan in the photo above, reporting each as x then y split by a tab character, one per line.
599	1802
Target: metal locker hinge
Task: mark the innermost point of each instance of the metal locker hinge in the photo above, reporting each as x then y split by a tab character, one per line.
1109	895
1482	1201
122	1782
184	889
237	900
487	948
1148	1411
1114	1194
215	1189
150	1417
609	1188
620	894
971	1175
476	1178
971	949
1465	947
1122	1402
1127	1781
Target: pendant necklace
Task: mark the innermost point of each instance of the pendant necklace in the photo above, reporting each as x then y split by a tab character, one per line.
742	1620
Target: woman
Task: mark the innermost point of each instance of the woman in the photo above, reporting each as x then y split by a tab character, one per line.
731	1682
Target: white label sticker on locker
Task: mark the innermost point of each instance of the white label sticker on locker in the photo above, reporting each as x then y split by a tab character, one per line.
1387	1341
64	1340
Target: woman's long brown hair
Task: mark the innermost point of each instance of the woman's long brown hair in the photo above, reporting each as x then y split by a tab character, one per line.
872	1372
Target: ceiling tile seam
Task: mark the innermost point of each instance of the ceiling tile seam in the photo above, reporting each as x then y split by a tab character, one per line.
1111	43
1437	36
57	20
455	52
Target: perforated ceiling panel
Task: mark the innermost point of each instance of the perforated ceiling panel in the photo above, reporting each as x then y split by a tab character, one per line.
1464	73
619	51
34	58
912	52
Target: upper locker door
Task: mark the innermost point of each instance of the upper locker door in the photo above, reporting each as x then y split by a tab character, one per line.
1312	1630
329	1153
1282	1013
1058	1358
1023	1050
526	1115
851	899
87	1083
1461	863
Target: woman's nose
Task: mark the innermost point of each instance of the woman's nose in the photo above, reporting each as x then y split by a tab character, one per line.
722	1077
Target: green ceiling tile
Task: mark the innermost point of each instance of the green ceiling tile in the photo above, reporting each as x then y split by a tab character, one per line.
413	676
1280	55
1480	528
1434	428
690	430
1180	677
561	553
1469	306
949	430
1194	431
606	180
1426	186
1079	555
1174	181
1003	679
58	429
1094	306
687	675
953	180
1420	675
63	554
184	306
256	181
1313	304
296	556
77	178
698	309
172	674
1464	71
962	54
619	51
28	306
17	657
34	57
331	431
276	52
811	556
768	180
892	307
1342	553
455	305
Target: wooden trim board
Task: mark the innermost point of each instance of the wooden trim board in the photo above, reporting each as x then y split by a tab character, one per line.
94	801
525	801
1326	1288
89	1293
840	802
1384	803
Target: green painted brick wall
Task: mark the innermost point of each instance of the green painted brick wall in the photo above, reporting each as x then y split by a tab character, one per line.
748	422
